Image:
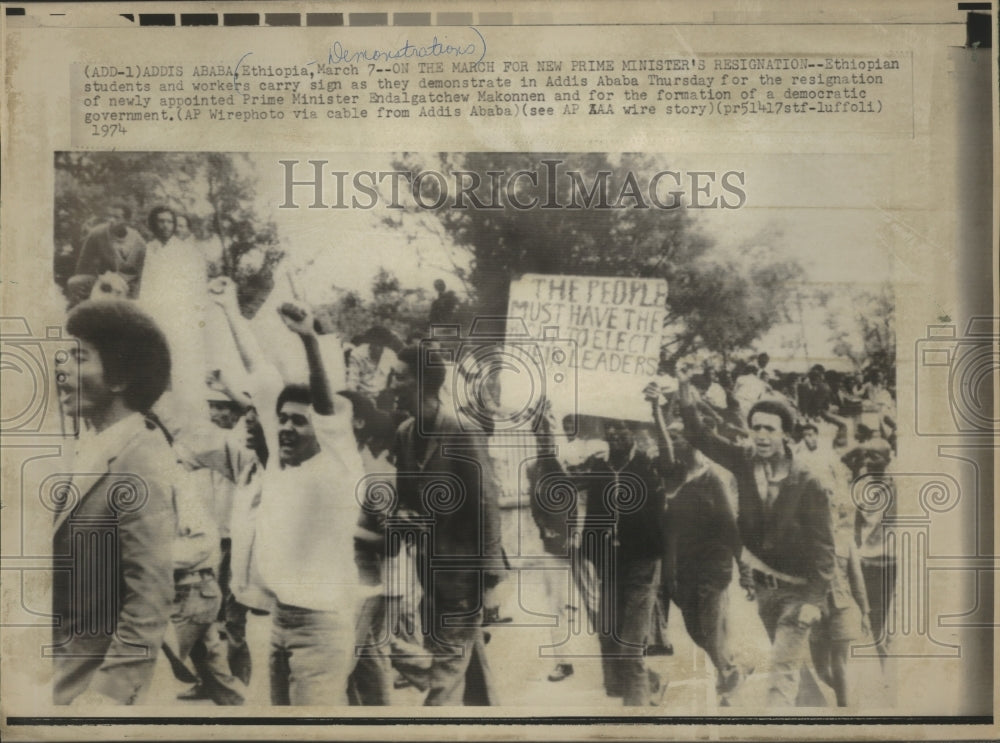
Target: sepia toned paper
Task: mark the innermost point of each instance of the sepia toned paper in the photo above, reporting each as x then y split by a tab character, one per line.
637	182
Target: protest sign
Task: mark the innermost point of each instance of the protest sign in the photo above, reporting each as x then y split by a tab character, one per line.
597	338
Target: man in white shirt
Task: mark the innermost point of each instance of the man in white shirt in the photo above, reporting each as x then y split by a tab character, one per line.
304	546
173	292
748	388
817	453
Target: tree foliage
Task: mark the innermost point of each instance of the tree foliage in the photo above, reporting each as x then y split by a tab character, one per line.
216	191
402	311
867	333
716	303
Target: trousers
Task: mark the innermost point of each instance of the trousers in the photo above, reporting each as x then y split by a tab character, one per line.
705	609
311	656
779	609
626	607
370	683
233	619
880	582
453	635
196	606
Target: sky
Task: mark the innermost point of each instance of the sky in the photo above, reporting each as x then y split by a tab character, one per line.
825	211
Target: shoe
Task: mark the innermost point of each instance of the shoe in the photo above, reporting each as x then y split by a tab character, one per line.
402	681
227	698
657	689
729	682
656	700
667	649
561	671
195	693
728	686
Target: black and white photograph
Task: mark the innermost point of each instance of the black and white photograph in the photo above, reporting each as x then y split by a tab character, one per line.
492	372
563	398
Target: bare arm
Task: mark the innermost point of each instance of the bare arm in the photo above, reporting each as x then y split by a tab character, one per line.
663	443
223	291
218	381
90	260
299	319
839	421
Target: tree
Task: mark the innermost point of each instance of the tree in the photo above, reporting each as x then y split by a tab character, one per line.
216	191
866	332
402	311
716	303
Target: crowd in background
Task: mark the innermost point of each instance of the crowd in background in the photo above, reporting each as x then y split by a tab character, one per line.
375	531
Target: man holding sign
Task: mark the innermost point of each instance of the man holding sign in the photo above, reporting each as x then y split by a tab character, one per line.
625	500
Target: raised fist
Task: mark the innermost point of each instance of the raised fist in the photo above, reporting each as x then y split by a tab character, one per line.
651	393
298	317
222	290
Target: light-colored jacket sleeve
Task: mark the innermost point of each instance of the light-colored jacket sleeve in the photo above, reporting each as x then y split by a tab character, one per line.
331	349
265	385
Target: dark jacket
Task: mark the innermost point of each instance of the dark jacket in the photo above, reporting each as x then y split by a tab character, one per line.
553	499
113	584
702	537
637	511
452	483
794	535
100	254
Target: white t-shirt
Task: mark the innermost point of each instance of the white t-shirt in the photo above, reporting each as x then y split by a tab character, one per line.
304	546
173	291
747	390
366	376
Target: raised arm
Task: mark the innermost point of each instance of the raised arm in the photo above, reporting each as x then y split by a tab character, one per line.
547	472
222	291
91	260
299	319
220	382
842	424
663	443
727	454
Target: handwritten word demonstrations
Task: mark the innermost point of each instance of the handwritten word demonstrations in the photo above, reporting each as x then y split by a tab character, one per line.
463	81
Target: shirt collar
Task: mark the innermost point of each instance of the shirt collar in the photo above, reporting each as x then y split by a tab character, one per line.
106	445
631	456
157	245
